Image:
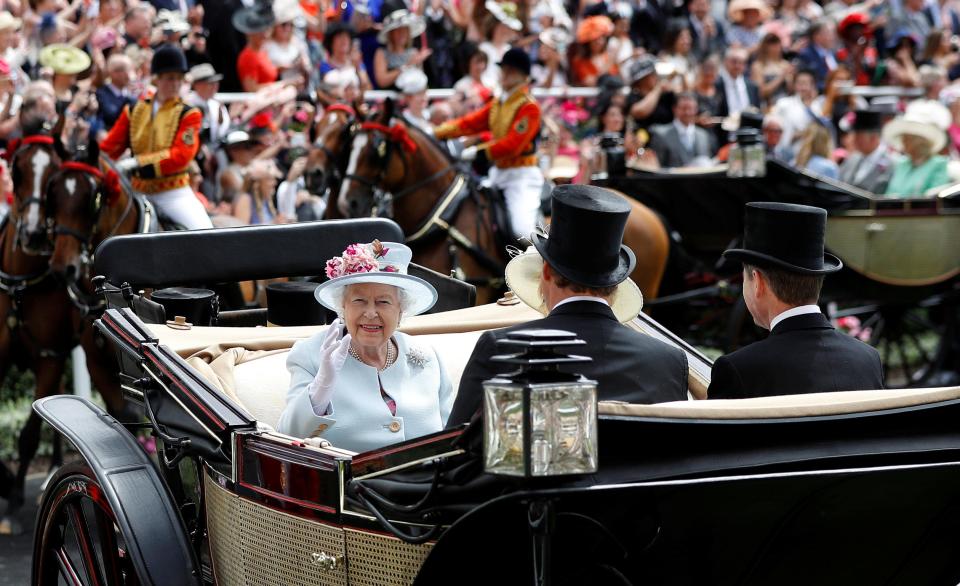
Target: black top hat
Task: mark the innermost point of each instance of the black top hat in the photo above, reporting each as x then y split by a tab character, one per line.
256	19
196	305
168	58
867	120
293	304
517	59
586	236
785	236
751	118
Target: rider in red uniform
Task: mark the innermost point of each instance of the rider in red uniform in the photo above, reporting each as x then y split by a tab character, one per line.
513	119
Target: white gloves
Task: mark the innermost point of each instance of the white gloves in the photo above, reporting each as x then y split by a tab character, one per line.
127	165
333	353
469	153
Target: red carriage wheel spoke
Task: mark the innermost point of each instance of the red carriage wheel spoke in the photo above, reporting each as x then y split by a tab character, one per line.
88	548
67	570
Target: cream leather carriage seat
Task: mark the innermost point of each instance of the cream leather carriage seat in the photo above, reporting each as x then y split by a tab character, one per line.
261	384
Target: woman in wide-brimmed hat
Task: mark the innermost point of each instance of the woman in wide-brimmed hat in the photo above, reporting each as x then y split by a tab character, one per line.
502	29
399	29
68	64
361	384
920	134
254	66
287	51
747	17
591	58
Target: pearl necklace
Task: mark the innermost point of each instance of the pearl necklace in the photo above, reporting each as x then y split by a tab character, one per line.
391	357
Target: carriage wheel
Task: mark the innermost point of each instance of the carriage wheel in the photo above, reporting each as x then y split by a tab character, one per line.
77	541
912	339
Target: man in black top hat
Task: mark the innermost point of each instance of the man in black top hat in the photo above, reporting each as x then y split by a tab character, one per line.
580	274
870	167
783	269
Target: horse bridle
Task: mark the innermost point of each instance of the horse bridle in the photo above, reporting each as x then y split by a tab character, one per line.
390	137
345	135
81	300
19	146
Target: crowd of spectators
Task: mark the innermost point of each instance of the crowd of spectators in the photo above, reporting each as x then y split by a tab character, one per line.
674	79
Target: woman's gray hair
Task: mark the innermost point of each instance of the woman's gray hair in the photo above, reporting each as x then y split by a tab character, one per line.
406	300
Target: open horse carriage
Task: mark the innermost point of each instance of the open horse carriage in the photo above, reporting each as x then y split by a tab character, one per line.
901	261
844	488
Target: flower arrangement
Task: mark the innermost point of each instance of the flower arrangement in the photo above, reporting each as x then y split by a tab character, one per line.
359	258
851	326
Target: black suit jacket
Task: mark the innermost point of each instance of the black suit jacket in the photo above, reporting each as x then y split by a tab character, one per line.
803	354
753	93
627	365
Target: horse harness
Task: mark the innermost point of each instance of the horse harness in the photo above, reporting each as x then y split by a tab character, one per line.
88	304
441	218
14	148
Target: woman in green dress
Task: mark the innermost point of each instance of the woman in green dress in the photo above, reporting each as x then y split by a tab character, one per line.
920	134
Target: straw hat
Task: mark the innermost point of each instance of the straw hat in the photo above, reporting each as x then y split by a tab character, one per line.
927	119
286	10
400	19
737	7
170	21
412	81
64	59
556	38
385	263
523	278
9	21
593	28
505	12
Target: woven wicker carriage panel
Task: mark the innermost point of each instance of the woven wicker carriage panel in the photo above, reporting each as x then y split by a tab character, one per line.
379	560
223	526
259	546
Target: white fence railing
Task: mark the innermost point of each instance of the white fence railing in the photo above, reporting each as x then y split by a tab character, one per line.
867	92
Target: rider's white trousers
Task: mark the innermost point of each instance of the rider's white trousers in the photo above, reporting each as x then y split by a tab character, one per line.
521	188
181	206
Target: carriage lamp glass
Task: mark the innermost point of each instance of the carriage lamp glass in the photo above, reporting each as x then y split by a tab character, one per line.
747	157
539	421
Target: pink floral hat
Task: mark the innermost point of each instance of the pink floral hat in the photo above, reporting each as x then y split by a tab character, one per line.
376	262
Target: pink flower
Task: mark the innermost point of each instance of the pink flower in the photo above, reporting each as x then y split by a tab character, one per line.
335	267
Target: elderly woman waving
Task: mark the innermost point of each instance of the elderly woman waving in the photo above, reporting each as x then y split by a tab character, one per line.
921	133
361	384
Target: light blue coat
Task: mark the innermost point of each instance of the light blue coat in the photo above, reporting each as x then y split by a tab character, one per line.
358	419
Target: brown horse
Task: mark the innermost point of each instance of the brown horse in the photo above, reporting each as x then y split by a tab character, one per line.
406	176
331	151
86	206
413	180
37	320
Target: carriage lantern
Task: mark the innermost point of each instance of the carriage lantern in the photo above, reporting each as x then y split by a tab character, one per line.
747	155
609	156
539	421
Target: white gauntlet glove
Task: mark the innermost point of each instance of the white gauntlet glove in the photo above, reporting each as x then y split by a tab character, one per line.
127	165
469	153
333	353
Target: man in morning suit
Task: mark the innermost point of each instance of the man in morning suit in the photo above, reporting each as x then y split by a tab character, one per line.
783	269
581	275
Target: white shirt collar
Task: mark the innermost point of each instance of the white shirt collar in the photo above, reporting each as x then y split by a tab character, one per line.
793	312
582	298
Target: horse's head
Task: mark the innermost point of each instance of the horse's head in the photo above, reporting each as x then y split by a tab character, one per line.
380	156
33	161
333	137
75	200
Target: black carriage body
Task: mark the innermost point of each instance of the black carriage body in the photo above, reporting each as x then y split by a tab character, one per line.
792	495
705	209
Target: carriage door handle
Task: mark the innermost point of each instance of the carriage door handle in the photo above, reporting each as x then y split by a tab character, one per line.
876	227
326	561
